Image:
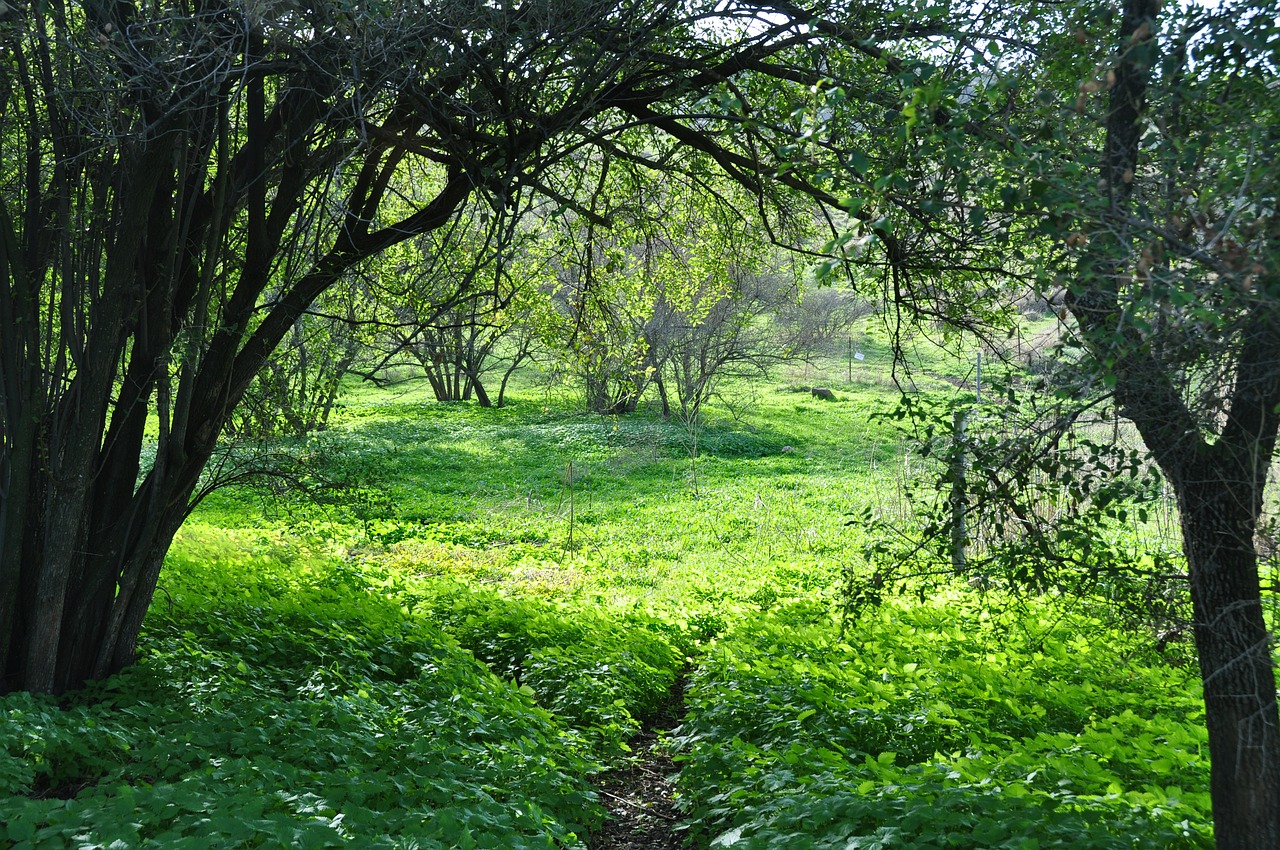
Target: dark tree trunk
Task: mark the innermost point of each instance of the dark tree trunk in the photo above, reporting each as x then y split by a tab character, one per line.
1219	487
438	380
627	404
1219	516
662	394
123	265
482	397
516	360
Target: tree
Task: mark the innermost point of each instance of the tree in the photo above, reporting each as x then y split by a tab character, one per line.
181	182
724	333
453	297
716	283
663	282
295	392
1176	295
819	316
611	261
1119	157
605	303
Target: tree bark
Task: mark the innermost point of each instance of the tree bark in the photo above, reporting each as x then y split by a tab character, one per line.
1219	517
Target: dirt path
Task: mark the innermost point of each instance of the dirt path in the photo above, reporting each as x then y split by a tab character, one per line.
642	815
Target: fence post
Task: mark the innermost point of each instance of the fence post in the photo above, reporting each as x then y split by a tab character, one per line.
959	493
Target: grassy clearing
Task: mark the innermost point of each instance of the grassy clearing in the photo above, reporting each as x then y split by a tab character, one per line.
456	615
539	497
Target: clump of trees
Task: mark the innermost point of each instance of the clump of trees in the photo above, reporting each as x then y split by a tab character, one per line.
667	284
181	184
459	304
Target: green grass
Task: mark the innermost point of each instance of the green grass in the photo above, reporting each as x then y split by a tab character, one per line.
537	493
453	616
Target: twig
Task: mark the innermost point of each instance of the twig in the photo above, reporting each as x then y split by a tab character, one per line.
635	805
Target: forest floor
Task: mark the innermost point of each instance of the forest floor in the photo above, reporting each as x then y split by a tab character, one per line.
640	793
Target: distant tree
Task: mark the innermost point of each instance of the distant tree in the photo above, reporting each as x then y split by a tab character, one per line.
725	333
603	332
663	284
817	316
605	256
295	392
459	303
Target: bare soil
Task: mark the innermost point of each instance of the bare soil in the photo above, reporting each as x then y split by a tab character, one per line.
639	793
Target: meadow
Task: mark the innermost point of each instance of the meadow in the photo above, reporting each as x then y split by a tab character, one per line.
447	620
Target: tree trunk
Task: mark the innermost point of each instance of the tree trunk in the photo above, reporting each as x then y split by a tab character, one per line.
662	394
1218	523
81	540
516	360
482	397
438	379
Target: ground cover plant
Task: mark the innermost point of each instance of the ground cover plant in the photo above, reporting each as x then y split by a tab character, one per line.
455	616
282	702
948	722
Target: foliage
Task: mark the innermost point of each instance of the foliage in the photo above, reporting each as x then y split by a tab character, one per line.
1111	158
180	188
602	673
1031	493
180	185
297	668
484	496
941	724
1012	720
286	703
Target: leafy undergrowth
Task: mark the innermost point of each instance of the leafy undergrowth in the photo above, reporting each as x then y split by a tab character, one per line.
291	707
940	725
603	674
